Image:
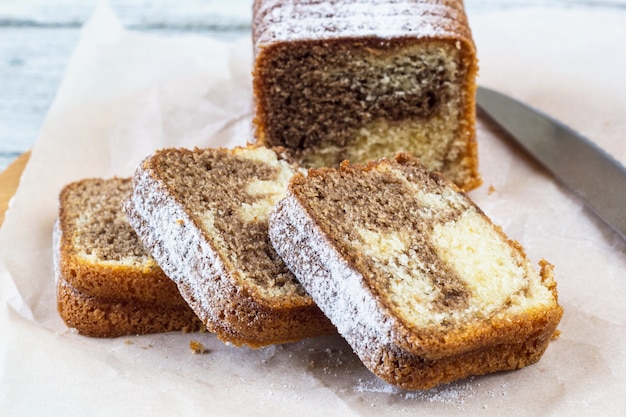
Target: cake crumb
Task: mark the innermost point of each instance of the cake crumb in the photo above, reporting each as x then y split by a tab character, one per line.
491	190
197	347
128	342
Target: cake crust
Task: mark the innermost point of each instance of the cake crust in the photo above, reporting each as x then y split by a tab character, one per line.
389	342
100	317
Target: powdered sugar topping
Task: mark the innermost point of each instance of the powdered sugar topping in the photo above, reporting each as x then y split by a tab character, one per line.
180	250
343	298
279	20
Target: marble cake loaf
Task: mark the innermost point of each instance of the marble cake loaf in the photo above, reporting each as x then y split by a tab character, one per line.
414	276
362	79
108	285
203	215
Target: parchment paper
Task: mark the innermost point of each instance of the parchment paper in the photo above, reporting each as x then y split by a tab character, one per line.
126	94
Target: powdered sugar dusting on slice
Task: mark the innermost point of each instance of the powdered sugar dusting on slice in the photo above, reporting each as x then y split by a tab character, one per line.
165	228
279	20
190	251
57	236
338	289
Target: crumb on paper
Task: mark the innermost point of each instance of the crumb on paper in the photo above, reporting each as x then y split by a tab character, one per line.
556	334
197	348
180	222
491	190
128	342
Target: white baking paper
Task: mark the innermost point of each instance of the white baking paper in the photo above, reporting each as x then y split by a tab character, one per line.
126	94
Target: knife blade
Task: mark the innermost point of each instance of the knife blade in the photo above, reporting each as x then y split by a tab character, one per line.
579	164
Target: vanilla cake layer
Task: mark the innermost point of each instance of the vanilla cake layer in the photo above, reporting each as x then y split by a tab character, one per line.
203	215
412	273
360	80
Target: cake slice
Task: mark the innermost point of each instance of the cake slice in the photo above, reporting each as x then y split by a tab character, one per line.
359	80
203	215
414	276
107	283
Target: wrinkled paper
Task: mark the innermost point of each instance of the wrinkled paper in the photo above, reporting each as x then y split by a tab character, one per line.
126	94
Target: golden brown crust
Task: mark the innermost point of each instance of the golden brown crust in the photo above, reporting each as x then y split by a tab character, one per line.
98	317
409	371
122	282
254	321
467	125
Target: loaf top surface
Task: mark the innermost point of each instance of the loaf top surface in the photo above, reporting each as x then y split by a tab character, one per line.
284	20
441	273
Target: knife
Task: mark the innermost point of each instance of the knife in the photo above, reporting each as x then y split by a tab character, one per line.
591	173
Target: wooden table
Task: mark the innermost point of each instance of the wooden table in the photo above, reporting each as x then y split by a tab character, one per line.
9	180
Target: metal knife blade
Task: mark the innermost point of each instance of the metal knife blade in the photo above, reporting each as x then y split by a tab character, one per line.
578	163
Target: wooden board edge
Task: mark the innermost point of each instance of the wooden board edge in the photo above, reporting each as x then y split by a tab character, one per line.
9	181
